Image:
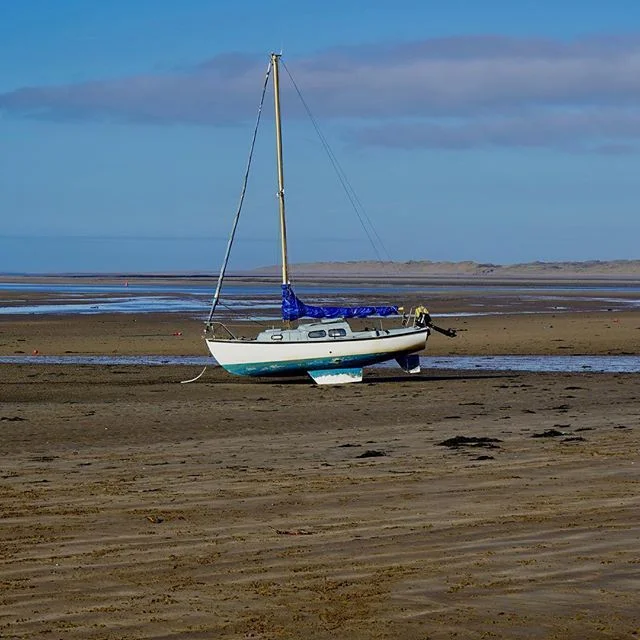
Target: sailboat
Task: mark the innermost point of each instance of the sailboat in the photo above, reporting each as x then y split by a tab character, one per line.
327	348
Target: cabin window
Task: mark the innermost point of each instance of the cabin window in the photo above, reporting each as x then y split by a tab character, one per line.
321	333
276	336
337	333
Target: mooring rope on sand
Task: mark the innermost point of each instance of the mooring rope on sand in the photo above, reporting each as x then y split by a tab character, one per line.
194	379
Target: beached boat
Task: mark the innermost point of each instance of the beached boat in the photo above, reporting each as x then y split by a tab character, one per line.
328	349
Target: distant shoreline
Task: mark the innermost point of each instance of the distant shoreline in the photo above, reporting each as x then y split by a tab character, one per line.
464	272
365	270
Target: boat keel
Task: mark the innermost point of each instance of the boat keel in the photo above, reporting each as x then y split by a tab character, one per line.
336	376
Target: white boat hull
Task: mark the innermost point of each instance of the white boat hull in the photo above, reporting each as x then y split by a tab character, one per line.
255	358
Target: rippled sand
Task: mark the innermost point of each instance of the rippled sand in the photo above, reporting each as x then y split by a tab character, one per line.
136	507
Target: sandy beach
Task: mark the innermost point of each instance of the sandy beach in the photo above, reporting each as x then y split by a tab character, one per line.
136	507
447	504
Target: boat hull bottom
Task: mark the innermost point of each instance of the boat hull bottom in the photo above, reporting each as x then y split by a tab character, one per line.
298	367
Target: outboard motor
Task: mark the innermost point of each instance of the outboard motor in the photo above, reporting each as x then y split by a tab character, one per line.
423	319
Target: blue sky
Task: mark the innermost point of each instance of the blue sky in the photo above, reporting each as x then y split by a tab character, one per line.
491	131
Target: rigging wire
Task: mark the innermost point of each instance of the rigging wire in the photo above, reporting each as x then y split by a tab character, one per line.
223	269
342	177
234	311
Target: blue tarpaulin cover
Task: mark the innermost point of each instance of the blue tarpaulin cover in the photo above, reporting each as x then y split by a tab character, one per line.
293	308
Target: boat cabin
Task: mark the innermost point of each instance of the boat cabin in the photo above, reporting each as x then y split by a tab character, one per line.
322	331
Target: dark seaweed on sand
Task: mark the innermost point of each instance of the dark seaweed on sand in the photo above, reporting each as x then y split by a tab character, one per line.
372	453
549	433
470	441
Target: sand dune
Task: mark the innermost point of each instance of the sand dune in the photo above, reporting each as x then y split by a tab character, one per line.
417	268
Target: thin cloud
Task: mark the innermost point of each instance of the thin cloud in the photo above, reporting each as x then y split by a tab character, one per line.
580	92
599	130
208	95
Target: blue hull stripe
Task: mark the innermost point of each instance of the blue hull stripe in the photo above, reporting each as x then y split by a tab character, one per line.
302	366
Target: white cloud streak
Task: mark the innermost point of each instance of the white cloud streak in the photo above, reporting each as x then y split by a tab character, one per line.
457	92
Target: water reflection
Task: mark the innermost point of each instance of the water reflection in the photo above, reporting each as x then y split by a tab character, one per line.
84	298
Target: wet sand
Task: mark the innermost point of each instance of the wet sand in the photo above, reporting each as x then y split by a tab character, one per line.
527	319
579	333
137	507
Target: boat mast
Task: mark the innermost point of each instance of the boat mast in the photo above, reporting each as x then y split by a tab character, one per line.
275	59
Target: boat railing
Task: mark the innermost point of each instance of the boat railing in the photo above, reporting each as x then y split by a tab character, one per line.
408	318
417	318
211	328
